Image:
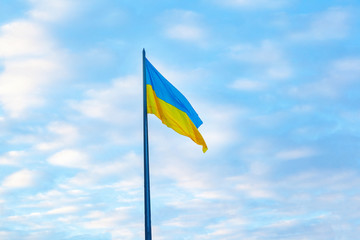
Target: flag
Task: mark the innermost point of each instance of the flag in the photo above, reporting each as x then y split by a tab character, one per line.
170	106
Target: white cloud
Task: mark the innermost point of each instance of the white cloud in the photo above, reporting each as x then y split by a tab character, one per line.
181	222
5	235
69	158
185	32
110	220
118	105
216	134
284	223
113	104
119	223
316	199
267	54
346	70
12	158
295	154
231	227
253	4
24	38
54	10
58	200
63	210
23	83
341	74
215	195
188	178
32	61
21	179
185	26
332	24
64	134
255	189
95	174
247	85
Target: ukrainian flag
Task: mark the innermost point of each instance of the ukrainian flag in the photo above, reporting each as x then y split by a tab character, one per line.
170	106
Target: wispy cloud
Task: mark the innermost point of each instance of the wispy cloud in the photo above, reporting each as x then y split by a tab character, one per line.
247	85
63	210
295	154
332	24
55	10
32	63
24	38
112	103
185	26
254	4
267	54
185	32
341	74
69	158
22	81
12	158
21	179
57	135
102	173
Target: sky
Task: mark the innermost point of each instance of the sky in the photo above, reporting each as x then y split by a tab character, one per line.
276	83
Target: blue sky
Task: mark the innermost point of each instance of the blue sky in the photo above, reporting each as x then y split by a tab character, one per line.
276	83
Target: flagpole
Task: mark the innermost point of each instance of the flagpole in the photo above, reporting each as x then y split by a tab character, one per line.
147	207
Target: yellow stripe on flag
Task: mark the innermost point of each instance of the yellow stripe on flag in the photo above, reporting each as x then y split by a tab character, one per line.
173	117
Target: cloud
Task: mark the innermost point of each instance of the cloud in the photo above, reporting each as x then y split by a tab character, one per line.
24	38
12	158
332	24
253	4
99	219
217	134
185	26
31	63
114	103
185	32
254	184
65	135
55	10
59	199
295	154
247	85
316	202
104	172
116	222
267	54
21	179
113	107
6	235
63	210
69	158
228	228
341	75
23	83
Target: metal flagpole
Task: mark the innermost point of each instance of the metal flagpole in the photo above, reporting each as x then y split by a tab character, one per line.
147	206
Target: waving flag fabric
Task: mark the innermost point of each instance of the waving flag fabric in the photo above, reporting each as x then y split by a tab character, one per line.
171	107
